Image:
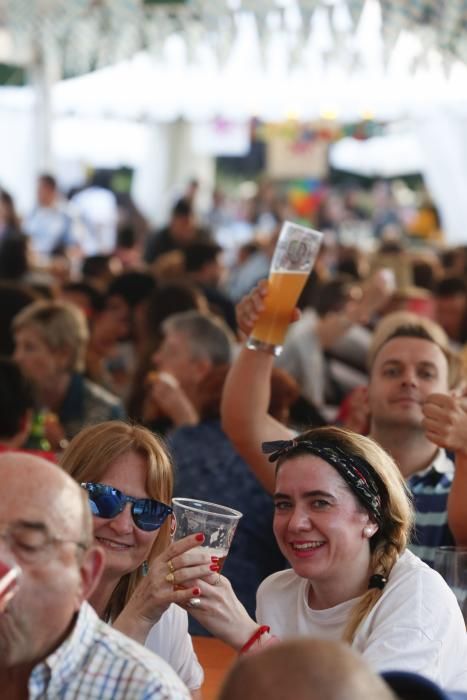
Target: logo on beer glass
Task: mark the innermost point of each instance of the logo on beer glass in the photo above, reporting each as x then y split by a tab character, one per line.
298	251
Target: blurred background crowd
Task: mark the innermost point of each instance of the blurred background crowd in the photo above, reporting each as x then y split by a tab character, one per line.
208	258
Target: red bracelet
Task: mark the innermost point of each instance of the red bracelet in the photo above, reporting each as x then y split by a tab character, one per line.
254	638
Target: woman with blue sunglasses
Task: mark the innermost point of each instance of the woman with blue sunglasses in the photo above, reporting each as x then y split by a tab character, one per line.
128	477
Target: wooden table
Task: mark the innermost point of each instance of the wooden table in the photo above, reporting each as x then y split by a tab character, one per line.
216	658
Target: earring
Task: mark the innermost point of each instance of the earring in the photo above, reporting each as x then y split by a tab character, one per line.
173	525
145	568
369	531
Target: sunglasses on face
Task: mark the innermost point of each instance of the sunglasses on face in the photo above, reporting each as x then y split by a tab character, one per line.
107	502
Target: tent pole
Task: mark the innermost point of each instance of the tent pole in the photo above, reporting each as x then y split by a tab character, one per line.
39	78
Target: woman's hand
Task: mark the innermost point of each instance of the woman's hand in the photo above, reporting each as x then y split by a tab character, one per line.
221	613
172	578
250	307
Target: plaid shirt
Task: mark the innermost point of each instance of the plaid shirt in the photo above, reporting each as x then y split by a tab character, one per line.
98	663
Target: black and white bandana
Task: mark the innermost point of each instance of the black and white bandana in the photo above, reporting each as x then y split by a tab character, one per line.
355	470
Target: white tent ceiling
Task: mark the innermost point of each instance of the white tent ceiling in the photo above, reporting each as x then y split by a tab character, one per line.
83	34
232	59
237	58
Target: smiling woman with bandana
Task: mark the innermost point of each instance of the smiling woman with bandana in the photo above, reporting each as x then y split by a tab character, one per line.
343	518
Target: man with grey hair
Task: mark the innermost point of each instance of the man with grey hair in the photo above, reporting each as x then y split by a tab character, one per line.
194	343
193	362
52	643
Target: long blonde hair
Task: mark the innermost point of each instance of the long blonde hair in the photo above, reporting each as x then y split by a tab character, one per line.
86	459
397	514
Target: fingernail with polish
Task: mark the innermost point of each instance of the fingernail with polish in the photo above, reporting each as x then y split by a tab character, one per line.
199	537
214	567
215	560
196	591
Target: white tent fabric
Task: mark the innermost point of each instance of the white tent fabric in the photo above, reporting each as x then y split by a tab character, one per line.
80	35
382	156
234	59
443	139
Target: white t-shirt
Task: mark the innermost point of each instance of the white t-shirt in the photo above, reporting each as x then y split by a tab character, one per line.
169	639
415	626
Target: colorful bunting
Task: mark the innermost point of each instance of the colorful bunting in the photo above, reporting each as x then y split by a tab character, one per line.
79	35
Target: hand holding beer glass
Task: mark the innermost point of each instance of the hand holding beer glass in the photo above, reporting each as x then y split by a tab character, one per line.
217	523
293	260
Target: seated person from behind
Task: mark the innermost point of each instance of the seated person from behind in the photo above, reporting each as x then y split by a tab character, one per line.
51	642
304	669
316	669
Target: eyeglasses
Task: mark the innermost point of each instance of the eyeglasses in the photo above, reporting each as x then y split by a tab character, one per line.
107	502
30	541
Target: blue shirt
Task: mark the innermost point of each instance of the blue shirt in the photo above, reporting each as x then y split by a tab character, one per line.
52	227
430	490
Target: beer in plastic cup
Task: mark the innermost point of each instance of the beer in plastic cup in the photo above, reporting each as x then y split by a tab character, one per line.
293	260
217	523
451	563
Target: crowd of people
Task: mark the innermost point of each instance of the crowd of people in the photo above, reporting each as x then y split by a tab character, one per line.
125	380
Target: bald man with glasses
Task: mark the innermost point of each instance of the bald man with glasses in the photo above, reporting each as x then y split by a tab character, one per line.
52	643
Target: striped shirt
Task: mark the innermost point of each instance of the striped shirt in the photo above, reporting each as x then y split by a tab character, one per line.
97	662
430	489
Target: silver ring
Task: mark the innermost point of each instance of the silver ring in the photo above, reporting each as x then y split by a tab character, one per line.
194	603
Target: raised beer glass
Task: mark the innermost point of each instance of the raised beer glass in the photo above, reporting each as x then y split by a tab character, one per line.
292	262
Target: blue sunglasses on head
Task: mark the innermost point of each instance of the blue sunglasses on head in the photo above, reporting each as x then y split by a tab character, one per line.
107	502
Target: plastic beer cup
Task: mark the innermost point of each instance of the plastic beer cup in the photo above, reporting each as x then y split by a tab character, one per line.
292	262
217	523
451	563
